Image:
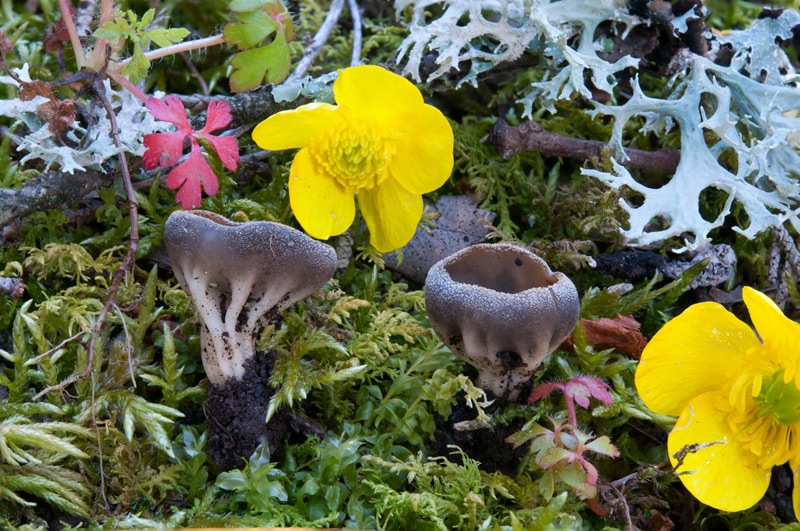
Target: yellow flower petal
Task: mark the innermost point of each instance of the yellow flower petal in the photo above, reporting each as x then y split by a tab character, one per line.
694	353
724	476
794	463
374	95
321	206
392	214
771	324
424	158
295	128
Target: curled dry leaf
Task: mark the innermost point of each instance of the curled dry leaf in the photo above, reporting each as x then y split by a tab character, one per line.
30	89
58	114
620	333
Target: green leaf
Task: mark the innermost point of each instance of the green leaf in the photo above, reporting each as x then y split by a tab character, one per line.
246	5
253	29
602	445
271	61
138	66
111	30
166	37
147	18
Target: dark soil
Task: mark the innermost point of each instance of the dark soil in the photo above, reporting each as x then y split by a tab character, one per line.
235	416
488	446
778	499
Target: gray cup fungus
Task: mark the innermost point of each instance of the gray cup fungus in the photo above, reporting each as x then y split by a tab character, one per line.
239	274
500	308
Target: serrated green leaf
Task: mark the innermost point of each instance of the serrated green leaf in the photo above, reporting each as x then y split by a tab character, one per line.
138	66
112	30
253	28
271	61
166	37
602	445
147	18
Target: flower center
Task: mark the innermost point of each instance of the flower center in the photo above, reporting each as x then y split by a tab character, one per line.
763	405
780	399
356	157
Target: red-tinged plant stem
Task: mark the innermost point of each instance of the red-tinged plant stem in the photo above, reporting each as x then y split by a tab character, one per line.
97	56
66	15
197	44
123	82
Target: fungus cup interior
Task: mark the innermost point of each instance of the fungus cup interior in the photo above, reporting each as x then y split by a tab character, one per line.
503	272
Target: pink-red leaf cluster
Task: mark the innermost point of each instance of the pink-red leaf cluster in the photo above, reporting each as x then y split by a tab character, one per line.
165	149
578	389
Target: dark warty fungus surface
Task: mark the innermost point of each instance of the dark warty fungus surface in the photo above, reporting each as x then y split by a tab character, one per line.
501	309
239	276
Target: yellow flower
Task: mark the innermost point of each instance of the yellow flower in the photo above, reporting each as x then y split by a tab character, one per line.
738	398
380	142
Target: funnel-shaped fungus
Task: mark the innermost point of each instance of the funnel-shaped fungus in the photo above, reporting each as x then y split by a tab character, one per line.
502	310
239	274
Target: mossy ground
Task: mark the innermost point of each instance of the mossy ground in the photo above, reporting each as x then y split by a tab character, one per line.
127	447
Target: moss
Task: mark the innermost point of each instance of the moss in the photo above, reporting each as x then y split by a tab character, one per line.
357	364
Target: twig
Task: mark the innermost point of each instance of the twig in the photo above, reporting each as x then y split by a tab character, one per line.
133	244
355	14
96	427
625	508
77	47
52	190
12	288
319	41
123	81
195	74
57	347
174	49
530	136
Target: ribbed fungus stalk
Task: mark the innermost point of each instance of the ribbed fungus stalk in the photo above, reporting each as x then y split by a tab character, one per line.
239	276
501	309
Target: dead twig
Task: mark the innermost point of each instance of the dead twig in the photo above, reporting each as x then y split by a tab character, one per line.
58	347
355	14
195	74
530	136
784	262
625	509
127	263
319	41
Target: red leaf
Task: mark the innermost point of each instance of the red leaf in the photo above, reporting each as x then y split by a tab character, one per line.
170	110
189	176
227	148
163	149
582	387
218	115
542	390
621	333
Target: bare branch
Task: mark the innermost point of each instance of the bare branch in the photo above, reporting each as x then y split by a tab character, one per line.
319	41
355	14
51	190
530	136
